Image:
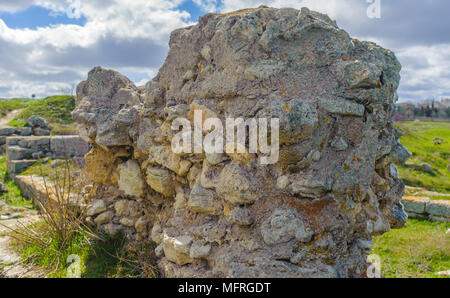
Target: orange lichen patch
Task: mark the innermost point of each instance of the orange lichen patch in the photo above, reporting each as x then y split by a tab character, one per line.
283	91
352	89
346	167
287	107
378	84
322	145
344	59
356	41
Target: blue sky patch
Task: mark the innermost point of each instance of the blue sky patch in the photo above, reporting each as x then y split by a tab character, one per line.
35	16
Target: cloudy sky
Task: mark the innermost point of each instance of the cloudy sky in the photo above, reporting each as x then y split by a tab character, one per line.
48	46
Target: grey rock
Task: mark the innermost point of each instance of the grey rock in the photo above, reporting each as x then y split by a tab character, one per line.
156	234
284	225
38	131
331	187
426	168
241	216
339	144
342	106
160	180
159	251
235	185
96	207
438	208
199	251
130	180
398	216
7	131
104	218
36	121
25	131
177	249
204	201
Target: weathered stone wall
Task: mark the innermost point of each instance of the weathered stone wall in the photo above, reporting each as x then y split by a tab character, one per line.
424	208
22	152
311	214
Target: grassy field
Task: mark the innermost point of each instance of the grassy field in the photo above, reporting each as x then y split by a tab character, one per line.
429	142
55	109
14	196
111	257
420	249
8	105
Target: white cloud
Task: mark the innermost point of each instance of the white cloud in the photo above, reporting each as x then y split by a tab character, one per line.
207	5
426	72
131	37
15	5
119	34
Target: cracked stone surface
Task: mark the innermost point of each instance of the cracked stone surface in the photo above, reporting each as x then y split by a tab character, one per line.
333	187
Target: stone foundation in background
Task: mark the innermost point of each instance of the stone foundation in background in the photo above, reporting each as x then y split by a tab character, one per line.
424	208
22	152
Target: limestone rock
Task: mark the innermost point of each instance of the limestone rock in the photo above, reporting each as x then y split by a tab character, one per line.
241	216
198	250
284	225
160	180
332	184
176	249
204	201
36	121
156	234
141	224
235	185
96	207
104	218
130	178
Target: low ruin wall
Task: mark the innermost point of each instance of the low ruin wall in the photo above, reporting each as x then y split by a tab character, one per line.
23	152
309	209
424	208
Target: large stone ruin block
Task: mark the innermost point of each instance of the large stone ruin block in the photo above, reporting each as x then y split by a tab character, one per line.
310	214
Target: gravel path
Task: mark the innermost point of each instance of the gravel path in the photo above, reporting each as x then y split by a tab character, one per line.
10	264
5	120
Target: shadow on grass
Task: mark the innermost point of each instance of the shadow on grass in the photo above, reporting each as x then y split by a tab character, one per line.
116	257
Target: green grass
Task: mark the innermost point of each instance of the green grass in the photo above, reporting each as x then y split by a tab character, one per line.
8	105
418	193
55	109
40	168
14	195
429	142
112	257
420	249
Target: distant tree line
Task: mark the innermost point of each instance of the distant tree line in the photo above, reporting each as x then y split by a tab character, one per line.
428	109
